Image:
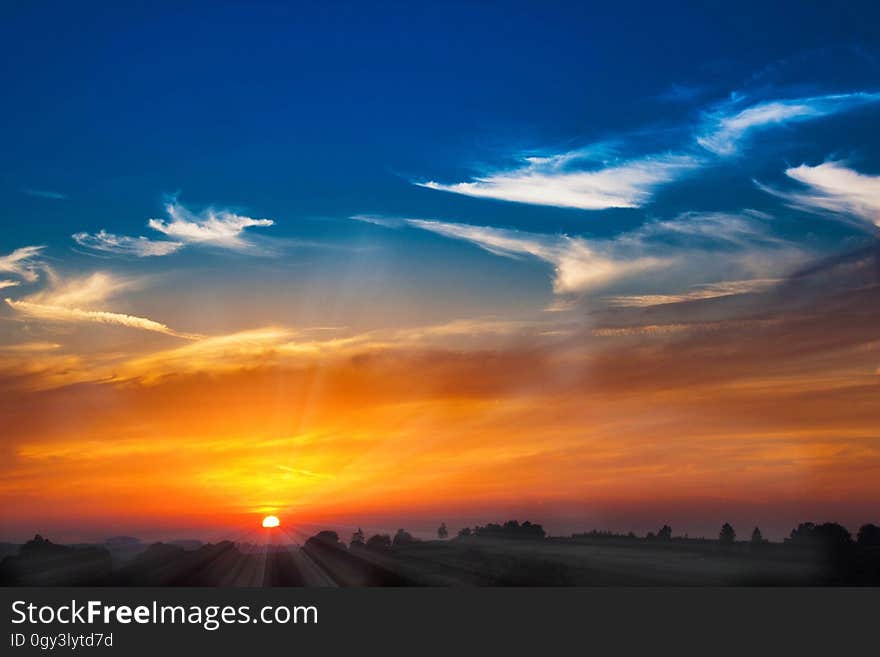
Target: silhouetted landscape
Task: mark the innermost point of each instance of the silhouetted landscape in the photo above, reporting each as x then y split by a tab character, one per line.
509	554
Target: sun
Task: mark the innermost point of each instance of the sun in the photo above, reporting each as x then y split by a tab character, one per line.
271	521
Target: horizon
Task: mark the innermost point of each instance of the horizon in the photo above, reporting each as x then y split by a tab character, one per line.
417	265
297	532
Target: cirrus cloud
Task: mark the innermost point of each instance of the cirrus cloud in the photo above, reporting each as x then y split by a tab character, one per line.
74	300
124	245
834	187
23	262
222	229
557	181
694	255
726	127
578	265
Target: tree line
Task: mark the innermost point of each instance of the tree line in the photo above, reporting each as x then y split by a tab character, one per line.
806	534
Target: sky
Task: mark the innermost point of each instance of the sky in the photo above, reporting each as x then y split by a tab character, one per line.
391	264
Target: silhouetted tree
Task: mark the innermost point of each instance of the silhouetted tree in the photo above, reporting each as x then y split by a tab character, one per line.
727	536
464	533
442	532
665	533
869	535
833	533
532	530
510	529
827	535
757	538
379	542
803	533
357	539
325	540
402	537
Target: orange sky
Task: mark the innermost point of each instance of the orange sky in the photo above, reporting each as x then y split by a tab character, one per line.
763	410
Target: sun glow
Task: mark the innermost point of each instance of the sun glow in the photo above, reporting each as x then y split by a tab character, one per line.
271	521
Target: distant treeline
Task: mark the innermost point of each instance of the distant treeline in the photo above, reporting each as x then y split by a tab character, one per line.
510	553
806	534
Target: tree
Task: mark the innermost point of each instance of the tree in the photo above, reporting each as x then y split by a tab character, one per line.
727	536
379	542
869	535
665	533
510	529
357	539
464	533
442	532
757	538
323	541
402	537
828	535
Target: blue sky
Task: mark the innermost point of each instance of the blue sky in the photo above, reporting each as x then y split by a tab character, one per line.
339	228
558	122
325	110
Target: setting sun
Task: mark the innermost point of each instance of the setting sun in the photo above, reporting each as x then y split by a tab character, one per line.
271	521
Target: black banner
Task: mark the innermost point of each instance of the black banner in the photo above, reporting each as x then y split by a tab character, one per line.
152	621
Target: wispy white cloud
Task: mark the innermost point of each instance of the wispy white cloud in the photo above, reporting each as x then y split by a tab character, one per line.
562	181
83	291
696	293
386	222
5	282
725	128
124	245
693	256
23	262
43	193
588	179
220	228
217	228
74	300
578	265
62	314
836	188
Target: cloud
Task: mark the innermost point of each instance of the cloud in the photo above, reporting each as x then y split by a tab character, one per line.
736	252
62	314
82	291
557	181
22	262
573	180
698	293
578	265
724	129
73	300
42	193
218	353
5	282
124	245
219	228
744	230
386	222
30	347
835	188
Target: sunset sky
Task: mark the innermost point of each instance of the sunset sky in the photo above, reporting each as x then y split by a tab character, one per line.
408	263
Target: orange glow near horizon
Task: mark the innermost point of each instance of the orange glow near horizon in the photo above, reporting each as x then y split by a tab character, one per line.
735	417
